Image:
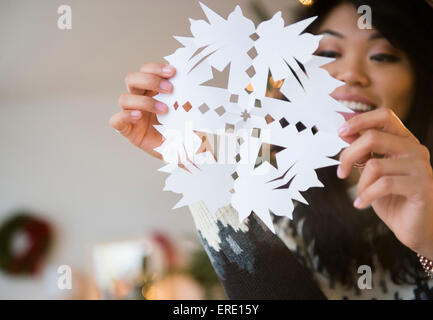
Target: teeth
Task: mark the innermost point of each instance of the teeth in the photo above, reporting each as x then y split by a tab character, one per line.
356	106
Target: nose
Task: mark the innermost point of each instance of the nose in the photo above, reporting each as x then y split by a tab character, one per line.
351	70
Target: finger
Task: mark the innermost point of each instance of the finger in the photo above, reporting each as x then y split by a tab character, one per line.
146	104
123	121
361	162
148	82
376	168
162	70
350	139
373	141
385	186
140	92
383	119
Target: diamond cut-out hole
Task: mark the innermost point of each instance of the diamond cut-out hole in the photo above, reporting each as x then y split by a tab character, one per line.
256	133
252	53
258	103
238	157
254	37
234	98
230	128
235	175
284	123
269	119
249	88
314	130
251	71
203	108
240	141
300	126
220	111
187	106
176	105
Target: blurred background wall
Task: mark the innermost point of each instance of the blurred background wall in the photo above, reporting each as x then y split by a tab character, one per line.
59	156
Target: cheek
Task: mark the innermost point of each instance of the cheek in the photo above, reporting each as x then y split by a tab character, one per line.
330	67
395	89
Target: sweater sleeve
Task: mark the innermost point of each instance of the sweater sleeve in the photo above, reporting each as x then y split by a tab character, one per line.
251	261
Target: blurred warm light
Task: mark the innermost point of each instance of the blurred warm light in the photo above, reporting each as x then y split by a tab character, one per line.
306	2
175	287
118	267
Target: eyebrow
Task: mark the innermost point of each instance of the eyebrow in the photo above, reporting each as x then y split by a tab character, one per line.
341	36
332	33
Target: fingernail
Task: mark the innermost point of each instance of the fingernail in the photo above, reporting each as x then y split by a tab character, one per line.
161	107
166	85
344	129
167	69
340	172
357	203
136	114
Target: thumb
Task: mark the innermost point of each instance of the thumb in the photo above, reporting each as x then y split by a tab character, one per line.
122	122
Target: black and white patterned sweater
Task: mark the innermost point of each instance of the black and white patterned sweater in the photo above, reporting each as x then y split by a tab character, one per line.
254	263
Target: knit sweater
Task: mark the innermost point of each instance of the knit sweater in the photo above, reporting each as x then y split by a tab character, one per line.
254	263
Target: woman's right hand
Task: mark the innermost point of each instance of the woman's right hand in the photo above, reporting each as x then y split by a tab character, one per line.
138	116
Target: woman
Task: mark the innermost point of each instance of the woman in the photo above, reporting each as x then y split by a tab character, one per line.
388	77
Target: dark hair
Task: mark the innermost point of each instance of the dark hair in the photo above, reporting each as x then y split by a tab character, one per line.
340	236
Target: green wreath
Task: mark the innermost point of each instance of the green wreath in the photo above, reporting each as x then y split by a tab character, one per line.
39	234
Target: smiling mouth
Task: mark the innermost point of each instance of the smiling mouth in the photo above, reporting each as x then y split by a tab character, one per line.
357	106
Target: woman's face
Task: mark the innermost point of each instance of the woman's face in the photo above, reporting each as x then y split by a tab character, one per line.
376	74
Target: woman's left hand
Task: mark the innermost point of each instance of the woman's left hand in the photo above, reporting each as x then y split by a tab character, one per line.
398	186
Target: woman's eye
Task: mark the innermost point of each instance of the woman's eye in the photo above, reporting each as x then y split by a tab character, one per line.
328	54
384	57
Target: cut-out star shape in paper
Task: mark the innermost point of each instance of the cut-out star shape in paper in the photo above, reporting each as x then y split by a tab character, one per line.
244	118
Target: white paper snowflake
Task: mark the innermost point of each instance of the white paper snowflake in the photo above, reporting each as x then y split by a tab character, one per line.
303	126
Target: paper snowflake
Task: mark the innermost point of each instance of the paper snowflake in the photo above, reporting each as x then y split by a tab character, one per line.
301	124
